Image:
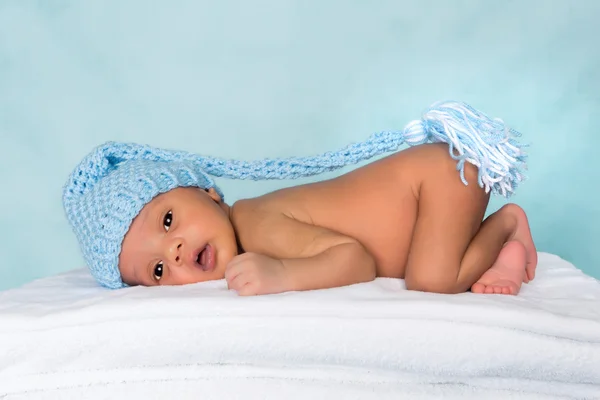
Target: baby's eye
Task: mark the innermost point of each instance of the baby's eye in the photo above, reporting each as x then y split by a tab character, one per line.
158	271
167	220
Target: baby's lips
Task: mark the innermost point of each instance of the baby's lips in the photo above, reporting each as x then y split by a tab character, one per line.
205	258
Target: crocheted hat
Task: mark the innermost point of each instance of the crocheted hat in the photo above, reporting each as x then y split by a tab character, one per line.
112	184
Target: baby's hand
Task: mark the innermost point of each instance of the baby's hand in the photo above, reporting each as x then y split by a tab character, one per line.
251	274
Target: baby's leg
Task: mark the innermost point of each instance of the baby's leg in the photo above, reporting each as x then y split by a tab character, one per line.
517	259
453	251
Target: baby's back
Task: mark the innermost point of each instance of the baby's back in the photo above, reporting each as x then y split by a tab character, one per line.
375	204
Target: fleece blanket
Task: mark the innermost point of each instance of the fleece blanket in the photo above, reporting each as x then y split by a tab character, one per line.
64	337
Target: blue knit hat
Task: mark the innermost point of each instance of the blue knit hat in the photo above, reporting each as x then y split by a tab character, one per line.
112	184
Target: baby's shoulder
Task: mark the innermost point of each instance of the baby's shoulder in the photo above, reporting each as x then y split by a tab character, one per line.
253	209
268	220
248	212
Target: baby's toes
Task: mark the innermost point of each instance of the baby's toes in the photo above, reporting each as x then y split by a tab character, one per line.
478	288
530	272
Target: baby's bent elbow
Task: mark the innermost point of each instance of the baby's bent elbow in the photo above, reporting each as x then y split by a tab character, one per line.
365	263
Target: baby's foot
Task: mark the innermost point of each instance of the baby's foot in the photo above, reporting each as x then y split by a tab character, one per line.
507	273
523	235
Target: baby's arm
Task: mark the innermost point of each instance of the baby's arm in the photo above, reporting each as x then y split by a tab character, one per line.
310	257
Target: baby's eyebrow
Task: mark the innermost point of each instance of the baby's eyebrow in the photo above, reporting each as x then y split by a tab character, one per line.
148	276
150	214
142	272
144	278
144	216
136	280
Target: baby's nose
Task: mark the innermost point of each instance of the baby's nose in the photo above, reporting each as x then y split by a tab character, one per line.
176	252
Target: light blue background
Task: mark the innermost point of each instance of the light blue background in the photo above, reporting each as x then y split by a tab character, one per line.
278	78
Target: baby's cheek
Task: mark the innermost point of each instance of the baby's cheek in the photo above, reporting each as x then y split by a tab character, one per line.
180	277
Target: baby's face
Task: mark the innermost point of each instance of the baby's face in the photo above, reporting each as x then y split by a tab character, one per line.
180	237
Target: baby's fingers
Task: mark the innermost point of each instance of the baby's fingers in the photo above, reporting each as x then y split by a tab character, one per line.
248	289
234	276
237	282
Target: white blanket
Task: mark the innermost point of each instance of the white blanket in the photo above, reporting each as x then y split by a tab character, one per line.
64	337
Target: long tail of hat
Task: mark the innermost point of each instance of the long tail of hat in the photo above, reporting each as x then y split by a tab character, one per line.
472	137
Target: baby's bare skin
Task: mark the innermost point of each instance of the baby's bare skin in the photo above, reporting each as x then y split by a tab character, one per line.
405	216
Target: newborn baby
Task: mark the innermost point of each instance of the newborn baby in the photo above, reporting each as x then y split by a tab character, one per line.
148	216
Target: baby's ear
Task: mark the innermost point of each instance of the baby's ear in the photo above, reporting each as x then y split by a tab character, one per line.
212	193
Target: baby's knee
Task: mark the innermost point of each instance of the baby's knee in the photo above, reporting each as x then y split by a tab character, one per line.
431	284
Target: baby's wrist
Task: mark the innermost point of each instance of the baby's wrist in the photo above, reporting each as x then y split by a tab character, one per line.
288	278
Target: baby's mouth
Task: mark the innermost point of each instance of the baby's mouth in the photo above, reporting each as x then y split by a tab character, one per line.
206	258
